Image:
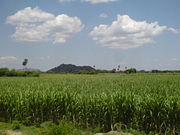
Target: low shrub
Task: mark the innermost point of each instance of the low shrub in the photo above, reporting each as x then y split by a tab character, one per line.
131	70
13	73
64	128
87	72
3	71
16	125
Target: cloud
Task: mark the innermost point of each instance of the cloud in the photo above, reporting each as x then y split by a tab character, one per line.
66	0
90	1
126	33
35	25
99	1
103	15
29	15
8	59
174	59
174	30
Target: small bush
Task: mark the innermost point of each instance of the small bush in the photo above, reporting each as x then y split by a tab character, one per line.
131	70
3	71
27	121
12	73
64	128
47	124
55	130
32	74
16	125
87	72
155	71
22	74
113	71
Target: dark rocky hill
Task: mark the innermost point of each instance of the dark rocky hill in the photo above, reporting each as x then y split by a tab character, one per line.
69	68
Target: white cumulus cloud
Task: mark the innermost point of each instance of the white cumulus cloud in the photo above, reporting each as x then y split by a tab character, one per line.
103	15
28	15
126	33
174	30
35	25
8	58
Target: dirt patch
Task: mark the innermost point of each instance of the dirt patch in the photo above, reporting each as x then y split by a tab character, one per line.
113	133
10	132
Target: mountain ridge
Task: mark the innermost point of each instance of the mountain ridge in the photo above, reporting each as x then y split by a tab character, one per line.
70	68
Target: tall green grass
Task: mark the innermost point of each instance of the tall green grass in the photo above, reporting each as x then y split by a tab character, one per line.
144	102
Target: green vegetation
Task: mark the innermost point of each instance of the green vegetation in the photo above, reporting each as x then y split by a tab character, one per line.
98	71
46	128
131	70
165	71
63	128
13	73
145	102
24	63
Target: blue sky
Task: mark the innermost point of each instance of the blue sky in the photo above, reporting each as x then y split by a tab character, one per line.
106	33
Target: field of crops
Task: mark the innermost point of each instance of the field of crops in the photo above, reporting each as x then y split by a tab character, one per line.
148	102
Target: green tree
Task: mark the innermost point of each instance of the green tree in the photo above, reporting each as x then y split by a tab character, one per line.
131	70
113	70
24	63
118	69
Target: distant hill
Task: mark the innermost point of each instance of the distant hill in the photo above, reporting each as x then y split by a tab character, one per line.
69	68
